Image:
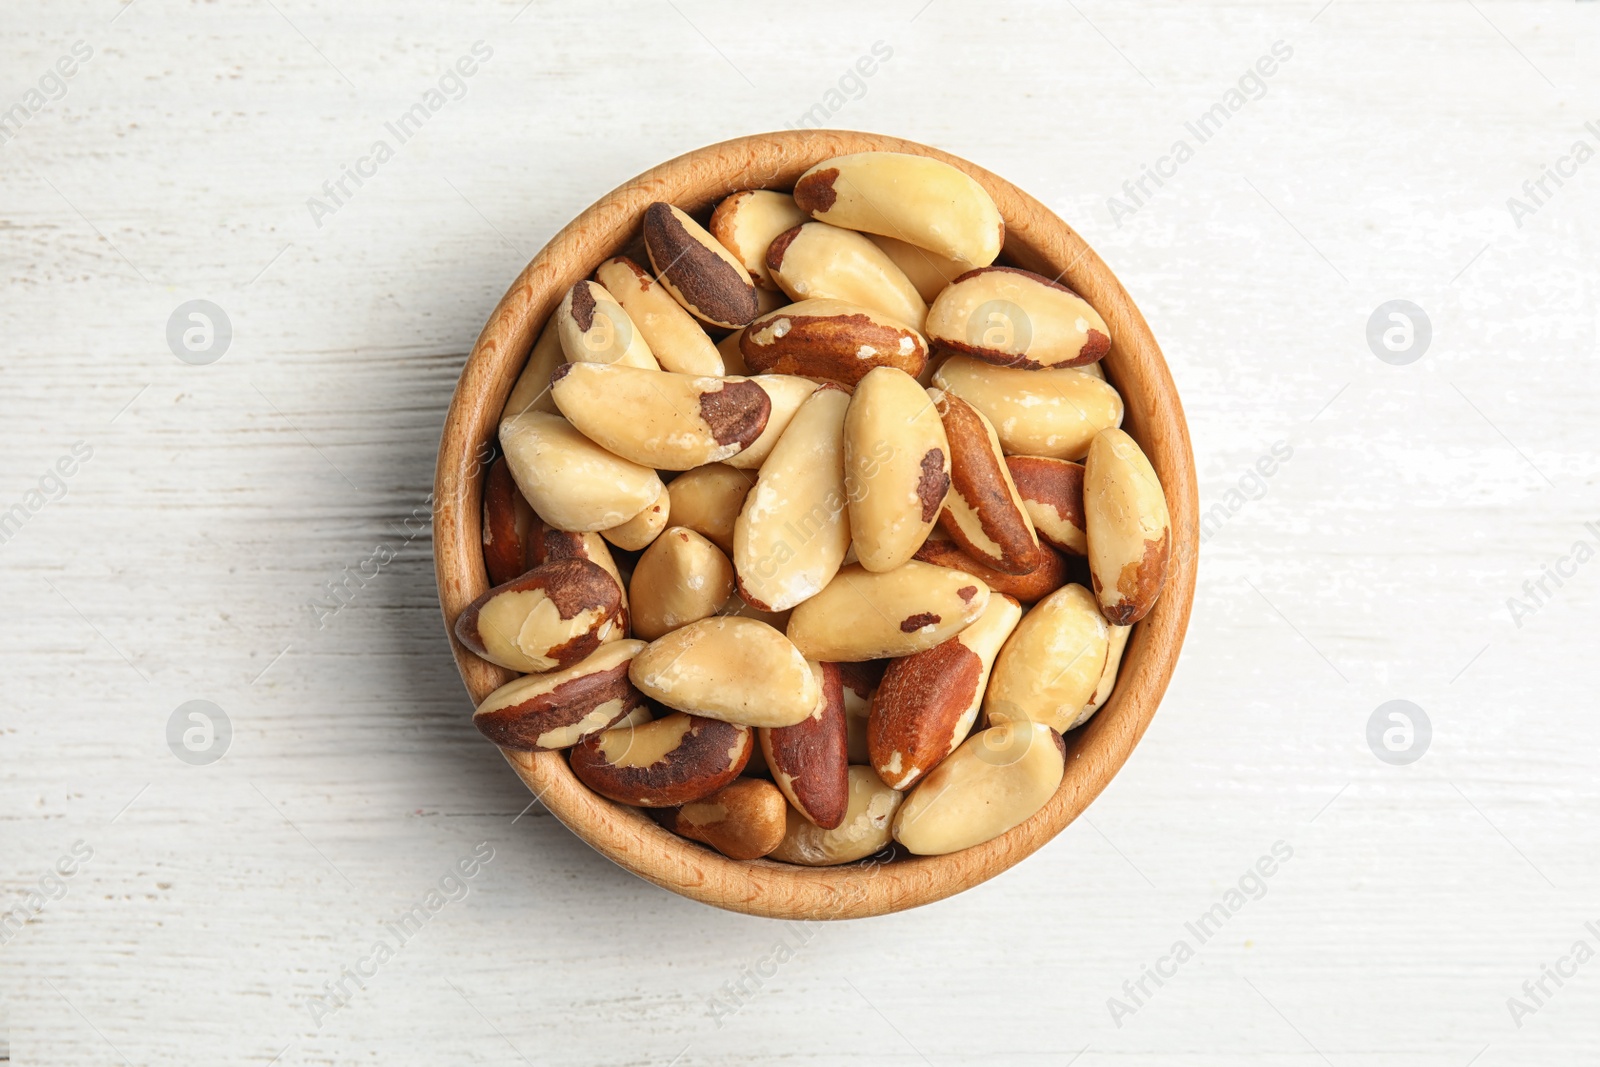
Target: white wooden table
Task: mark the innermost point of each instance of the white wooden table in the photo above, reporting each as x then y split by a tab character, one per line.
215	910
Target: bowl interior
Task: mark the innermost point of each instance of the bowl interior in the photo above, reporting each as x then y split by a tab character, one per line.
1037	240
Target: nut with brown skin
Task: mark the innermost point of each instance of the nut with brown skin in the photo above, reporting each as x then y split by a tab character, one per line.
573	483
787	392
660	419
676	340
681	578
707	500
810	761
928	702
1052	413
558	709
509	525
999	778
917	199
832	340
1129	529
673	760
794	529
1052	493
1046	578
743	821
864	615
818	261
1015	318
707	279
532	389
550	618
729	668
983	513
747	222
863	831
643	528
896	467
1050	668
928	271
549	543
595	329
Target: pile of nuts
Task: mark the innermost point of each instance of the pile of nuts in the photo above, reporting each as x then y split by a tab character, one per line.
784	531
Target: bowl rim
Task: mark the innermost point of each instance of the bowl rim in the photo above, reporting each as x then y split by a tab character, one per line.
1036	239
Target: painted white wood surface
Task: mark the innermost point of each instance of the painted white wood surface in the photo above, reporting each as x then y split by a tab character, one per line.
180	562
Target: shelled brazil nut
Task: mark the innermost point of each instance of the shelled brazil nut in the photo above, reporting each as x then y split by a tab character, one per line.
861	519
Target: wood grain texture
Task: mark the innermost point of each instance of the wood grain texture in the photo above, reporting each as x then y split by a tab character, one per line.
1037	240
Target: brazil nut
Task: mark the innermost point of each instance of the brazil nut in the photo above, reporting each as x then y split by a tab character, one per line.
1052	413
998	779
707	500
917	199
928	701
982	512
675	339
743	820
703	276
864	614
1051	666
643	528
794	529
1015	318
1128	528
594	328
729	668
830	339
1052	493
810	761
1108	676
745	224
673	760
532	388
509	525
573	483
896	467
681	578
928	271
818	261
557	709
549	618
660	419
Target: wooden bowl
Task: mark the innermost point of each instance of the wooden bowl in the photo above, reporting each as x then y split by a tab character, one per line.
1036	240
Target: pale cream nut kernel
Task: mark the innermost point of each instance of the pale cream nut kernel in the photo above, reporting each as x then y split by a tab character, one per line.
729	668
1053	413
678	342
681	578
660	419
573	483
998	779
1128	529
917	199
896	467
1051	666
594	328
793	532
864	615
747	222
